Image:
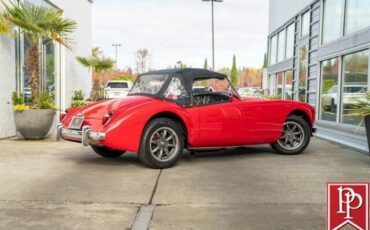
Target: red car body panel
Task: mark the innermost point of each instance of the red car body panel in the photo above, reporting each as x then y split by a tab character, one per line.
236	123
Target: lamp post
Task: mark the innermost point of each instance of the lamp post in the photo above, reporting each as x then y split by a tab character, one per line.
213	31
116	46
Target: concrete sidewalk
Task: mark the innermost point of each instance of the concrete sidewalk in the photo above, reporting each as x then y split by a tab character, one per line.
50	185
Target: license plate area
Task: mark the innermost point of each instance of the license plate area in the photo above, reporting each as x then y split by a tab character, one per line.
76	123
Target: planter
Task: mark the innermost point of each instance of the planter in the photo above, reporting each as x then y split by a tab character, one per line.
34	124
367	127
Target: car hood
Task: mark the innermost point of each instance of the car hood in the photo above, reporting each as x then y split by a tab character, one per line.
99	109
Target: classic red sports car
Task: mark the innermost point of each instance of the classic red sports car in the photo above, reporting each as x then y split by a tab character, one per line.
171	110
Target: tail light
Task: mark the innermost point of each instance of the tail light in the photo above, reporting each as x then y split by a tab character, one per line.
107	117
63	115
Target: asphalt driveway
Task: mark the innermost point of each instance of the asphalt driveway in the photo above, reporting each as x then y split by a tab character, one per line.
50	185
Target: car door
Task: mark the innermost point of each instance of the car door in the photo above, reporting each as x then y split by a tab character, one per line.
222	124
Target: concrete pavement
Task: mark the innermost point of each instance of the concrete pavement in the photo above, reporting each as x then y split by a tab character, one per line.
50	185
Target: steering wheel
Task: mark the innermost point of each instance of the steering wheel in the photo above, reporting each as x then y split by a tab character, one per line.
206	98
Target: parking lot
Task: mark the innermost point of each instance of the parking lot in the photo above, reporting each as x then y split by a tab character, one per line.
50	185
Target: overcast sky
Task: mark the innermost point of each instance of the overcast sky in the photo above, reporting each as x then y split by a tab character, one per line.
174	30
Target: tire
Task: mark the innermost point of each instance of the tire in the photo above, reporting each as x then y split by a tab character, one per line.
292	143
158	149
107	152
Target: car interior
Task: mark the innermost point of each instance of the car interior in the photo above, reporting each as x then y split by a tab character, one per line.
210	91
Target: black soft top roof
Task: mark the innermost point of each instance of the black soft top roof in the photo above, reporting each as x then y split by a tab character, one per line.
187	76
189	73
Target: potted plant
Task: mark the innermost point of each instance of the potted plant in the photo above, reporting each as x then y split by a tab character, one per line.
36	24
33	123
364	110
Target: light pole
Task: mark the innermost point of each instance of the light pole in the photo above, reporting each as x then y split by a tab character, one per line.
116	45
213	30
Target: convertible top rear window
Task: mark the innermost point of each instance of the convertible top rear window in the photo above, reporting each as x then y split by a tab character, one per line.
149	84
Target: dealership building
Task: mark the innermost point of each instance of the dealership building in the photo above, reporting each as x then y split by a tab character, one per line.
61	74
319	54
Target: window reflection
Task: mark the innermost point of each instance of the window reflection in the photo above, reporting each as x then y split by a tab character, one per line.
288	85
303	61
332	20
355	81
305	24
290	41
273	50
279	85
329	89
281	47
357	15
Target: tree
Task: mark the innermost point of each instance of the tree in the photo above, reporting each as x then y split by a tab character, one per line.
142	59
99	64
234	73
38	23
205	66
265	62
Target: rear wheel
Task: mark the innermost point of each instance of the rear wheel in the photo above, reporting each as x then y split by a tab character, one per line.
107	152
162	143
295	137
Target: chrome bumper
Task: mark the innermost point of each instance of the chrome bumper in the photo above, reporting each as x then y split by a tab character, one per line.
85	136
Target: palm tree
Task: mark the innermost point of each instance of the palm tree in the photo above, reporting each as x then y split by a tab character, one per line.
4	25
38	23
98	64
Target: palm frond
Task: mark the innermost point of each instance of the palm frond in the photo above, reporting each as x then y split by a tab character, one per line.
4	25
40	22
87	62
363	109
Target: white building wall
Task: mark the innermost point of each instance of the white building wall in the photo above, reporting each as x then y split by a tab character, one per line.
280	11
76	76
7	86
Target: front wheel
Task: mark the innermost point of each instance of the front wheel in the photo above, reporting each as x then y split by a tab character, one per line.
162	143
107	152
295	137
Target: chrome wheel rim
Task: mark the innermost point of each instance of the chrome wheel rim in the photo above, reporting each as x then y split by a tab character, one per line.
293	136
164	144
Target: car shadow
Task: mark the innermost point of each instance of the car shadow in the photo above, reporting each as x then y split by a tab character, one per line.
229	153
132	159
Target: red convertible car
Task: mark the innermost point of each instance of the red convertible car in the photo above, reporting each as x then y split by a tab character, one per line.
168	111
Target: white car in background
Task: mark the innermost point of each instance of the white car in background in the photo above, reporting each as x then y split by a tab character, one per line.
117	88
352	96
250	92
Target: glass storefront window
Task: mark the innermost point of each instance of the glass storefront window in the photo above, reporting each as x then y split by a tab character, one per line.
290	41
332	22
354	86
357	15
48	68
303	62
305	24
329	90
289	85
279	85
273	50
272	85
281	46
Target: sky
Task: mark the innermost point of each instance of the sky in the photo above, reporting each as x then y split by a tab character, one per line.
180	30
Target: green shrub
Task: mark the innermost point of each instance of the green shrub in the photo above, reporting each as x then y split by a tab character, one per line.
46	102
78	96
17	99
78	99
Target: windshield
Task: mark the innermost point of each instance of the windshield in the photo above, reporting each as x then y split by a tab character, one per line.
148	84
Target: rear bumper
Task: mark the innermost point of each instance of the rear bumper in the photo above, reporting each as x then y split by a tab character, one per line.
85	136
